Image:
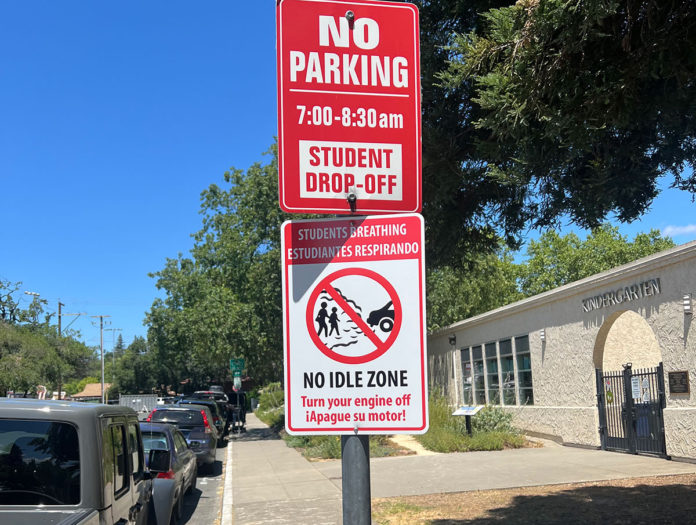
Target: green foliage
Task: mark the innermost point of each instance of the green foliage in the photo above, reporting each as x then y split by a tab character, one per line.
492	419
78	385
455	293
491	281
136	370
555	260
447	433
31	351
581	105
225	300
271	409
329	447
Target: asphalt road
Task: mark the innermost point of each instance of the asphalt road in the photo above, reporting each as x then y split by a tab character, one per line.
204	505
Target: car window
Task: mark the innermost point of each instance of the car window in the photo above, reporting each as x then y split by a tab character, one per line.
179	443
136	453
183	417
154	441
118	436
39	463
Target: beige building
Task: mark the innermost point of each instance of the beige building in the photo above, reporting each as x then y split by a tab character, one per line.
558	360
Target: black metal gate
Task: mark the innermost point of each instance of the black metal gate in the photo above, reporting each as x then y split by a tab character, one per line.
630	410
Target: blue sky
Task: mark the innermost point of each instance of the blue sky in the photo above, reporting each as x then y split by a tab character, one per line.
115	116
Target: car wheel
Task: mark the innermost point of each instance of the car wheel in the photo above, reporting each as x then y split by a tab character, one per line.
386	325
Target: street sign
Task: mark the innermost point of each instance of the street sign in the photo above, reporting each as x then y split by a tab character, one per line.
349	115
237	365
354	331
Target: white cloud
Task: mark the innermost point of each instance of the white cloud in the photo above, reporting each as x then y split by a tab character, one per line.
675	231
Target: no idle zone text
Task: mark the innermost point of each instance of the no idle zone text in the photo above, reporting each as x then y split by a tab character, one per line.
357	379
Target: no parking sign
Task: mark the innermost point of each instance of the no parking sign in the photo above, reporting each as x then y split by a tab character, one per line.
354	310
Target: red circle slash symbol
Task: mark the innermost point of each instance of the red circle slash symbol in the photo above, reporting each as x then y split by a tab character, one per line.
386	319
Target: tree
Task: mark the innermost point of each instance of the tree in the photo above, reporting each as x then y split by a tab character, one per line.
456	293
582	105
225	300
461	204
555	260
136	370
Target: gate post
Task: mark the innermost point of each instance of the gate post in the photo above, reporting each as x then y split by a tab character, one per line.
662	400
602	409
629	416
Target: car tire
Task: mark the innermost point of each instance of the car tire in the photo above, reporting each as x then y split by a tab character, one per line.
386	325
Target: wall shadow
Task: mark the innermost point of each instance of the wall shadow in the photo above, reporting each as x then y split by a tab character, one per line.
603	504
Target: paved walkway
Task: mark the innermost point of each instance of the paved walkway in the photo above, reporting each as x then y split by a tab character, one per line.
272	483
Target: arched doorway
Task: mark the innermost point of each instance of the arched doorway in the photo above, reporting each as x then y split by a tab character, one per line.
630	385
625	337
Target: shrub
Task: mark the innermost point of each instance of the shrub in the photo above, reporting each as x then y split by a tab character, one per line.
492	419
329	447
492	428
271	408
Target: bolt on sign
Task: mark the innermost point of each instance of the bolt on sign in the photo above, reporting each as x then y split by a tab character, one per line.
349	115
354	325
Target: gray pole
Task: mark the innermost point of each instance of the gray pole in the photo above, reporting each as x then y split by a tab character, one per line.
355	464
101	346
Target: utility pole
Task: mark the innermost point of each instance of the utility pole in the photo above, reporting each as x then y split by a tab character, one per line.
60	344
113	353
101	349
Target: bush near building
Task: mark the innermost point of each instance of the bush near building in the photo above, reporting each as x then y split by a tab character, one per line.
492	429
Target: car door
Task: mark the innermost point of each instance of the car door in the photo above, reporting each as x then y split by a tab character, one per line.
117	469
142	488
185	457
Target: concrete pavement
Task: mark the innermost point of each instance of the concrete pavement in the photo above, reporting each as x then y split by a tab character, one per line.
268	482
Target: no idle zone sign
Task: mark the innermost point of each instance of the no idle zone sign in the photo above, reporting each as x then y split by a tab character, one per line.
349	116
354	331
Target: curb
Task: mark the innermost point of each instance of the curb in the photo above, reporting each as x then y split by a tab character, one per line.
227	496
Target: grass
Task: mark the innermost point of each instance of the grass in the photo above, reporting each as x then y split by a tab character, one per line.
329	447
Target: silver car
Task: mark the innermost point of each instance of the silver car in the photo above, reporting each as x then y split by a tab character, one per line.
173	465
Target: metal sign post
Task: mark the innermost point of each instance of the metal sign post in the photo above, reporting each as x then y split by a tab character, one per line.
349	141
355	464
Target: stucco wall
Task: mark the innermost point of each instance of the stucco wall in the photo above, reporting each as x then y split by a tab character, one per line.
563	365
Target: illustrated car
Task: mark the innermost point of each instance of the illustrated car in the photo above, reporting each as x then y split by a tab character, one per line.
384	317
71	463
195	423
173	465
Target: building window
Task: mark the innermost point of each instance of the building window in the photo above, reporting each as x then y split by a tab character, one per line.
492	374
507	369
467	388
479	384
524	370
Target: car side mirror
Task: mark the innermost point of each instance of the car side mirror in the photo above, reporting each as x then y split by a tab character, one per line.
159	460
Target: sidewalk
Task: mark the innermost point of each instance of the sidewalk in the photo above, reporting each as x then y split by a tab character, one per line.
268	482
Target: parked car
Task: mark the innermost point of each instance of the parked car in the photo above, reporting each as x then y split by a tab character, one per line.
173	463
223	404
219	417
195	423
71	463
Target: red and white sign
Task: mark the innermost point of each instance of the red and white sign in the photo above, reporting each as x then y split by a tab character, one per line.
349	114
354	325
